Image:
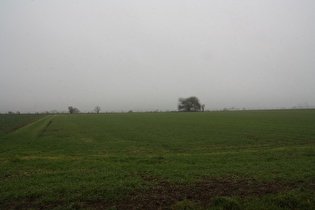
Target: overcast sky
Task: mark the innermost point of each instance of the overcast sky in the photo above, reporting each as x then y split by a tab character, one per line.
143	55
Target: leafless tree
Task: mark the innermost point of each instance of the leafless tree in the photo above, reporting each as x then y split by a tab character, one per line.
97	109
202	107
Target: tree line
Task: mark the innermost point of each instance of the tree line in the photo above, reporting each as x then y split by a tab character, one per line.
74	110
190	104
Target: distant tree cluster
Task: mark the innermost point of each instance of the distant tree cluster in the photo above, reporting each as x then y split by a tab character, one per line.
73	110
17	112
190	104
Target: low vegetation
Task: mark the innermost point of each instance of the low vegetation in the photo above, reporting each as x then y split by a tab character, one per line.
11	122
184	160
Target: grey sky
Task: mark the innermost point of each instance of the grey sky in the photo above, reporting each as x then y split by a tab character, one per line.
145	54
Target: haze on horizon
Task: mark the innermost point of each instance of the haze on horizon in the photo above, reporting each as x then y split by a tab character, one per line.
143	55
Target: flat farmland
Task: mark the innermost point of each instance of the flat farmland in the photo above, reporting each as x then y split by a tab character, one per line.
201	160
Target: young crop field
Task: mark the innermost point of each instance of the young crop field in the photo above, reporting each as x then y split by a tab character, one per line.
200	160
11	122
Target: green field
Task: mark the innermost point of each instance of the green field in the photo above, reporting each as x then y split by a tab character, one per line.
201	160
11	122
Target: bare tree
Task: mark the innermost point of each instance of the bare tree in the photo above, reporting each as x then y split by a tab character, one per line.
97	109
190	104
202	107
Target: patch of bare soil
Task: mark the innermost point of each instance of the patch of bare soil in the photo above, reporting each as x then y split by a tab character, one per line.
166	194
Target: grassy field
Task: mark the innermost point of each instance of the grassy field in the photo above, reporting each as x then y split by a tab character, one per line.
11	122
208	160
